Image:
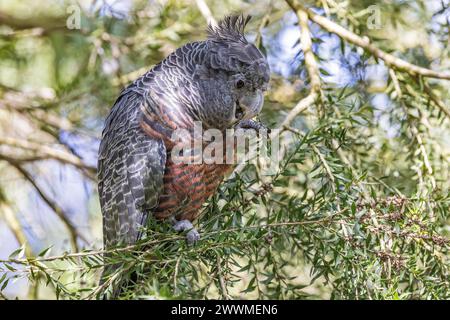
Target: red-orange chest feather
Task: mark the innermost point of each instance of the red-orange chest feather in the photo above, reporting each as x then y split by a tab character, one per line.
186	186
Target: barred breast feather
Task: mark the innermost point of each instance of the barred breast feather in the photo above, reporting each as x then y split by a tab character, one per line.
132	171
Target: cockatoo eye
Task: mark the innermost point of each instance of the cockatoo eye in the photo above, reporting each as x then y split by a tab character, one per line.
240	84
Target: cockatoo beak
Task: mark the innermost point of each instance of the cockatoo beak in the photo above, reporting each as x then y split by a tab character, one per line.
251	105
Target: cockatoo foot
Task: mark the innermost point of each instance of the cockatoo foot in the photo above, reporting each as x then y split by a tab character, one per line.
184	225
255	125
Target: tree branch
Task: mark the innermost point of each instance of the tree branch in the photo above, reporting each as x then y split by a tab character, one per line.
49	152
43	24
73	233
311	67
206	12
365	43
14	225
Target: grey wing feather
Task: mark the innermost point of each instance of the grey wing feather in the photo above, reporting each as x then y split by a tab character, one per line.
130	172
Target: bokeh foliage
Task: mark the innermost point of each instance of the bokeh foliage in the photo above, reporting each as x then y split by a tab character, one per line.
359	206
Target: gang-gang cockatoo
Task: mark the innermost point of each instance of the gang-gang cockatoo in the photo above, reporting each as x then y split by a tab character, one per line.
218	82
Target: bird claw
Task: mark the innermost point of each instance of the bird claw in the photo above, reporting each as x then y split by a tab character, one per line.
192	235
255	125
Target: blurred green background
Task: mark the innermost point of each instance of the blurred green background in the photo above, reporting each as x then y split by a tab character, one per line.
63	63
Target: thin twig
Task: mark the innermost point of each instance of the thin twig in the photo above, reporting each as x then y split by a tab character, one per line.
435	99
325	164
170	239
301	106
423	151
223	286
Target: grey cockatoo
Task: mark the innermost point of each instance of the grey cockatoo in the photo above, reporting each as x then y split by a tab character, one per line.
219	82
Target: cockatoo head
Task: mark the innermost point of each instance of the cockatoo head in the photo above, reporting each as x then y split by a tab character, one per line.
233	77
